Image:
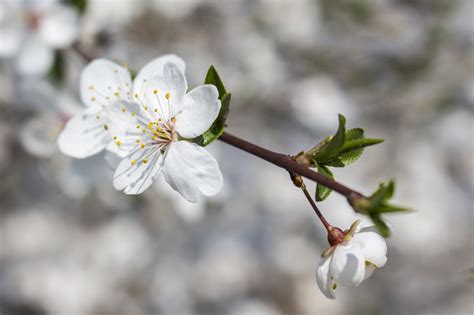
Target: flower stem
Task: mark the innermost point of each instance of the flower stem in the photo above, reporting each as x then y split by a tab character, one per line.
316	209
288	164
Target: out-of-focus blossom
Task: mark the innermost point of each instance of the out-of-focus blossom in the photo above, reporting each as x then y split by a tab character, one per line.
32	30
98	16
351	261
152	131
317	101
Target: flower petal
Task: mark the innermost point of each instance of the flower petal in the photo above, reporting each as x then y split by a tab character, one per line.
137	171
34	58
200	108
324	278
369	270
348	264
114	155
85	134
155	68
127	124
104	82
164	94
373	247
39	134
59	27
189	168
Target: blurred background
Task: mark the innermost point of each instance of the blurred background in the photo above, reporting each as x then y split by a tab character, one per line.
402	70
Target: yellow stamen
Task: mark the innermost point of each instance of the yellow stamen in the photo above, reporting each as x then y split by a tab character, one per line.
168	95
133	162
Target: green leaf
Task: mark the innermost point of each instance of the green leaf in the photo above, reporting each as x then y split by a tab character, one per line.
381	226
332	147
354	134
322	192
351	150
357	144
336	162
383	193
80	5
57	71
389	208
212	77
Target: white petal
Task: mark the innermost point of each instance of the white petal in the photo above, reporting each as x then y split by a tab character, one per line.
60	26
34	58
155	68
189	168
369	270
114	155
138	170
84	134
172	84
124	118
348	265
373	247
39	134
323	278
104	82
200	108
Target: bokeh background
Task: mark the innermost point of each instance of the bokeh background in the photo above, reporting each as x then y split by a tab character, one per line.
403	70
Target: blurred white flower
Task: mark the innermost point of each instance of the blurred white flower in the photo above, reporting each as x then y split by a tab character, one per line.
151	131
351	261
317	101
31	30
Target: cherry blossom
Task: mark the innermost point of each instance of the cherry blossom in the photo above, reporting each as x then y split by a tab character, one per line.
351	261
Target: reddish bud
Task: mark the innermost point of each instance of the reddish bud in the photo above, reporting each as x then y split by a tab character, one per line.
335	235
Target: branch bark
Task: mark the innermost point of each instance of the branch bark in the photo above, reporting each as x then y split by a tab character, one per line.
285	162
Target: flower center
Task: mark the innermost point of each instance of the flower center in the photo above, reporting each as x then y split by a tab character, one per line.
160	133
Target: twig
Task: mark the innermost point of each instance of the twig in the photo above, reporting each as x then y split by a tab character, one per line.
288	164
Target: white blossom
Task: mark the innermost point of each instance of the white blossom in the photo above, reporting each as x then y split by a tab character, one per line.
153	128
102	83
351	261
32	30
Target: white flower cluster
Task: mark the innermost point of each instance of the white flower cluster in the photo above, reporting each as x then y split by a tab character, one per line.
148	124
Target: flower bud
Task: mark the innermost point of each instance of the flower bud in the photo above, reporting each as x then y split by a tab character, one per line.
335	235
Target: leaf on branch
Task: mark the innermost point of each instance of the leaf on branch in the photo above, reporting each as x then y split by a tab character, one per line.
322	192
217	128
377	204
331	148
342	149
380	224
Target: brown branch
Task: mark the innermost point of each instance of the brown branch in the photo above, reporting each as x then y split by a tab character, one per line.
285	162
